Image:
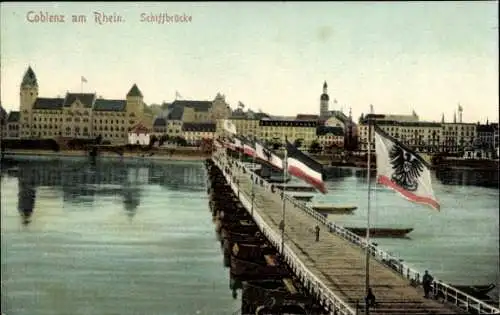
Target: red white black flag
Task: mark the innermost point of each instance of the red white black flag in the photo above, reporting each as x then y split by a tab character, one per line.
267	156
248	147
233	143
403	170
302	166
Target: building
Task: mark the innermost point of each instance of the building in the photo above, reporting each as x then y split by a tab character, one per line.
3	122
487	135
246	123
197	111
330	137
421	136
300	131
196	133
456	136
191	112
139	134
78	115
12	130
324	100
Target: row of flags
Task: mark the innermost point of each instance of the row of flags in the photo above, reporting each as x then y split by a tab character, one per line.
297	163
398	167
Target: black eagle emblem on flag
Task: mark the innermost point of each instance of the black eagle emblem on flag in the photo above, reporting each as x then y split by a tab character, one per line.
267	154
407	168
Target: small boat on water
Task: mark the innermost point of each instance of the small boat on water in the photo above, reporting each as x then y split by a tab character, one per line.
303	197
381	232
477	291
332	209
296	188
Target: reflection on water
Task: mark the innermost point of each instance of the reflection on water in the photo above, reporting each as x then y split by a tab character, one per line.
109	238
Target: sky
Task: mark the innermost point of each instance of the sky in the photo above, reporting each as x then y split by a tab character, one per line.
275	56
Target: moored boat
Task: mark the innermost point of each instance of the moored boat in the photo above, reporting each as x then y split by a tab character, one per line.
381	232
303	197
331	209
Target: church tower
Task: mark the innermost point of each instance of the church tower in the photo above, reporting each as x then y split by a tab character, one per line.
323	105
27	97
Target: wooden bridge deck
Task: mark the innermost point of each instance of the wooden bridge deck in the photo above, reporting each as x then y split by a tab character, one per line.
339	264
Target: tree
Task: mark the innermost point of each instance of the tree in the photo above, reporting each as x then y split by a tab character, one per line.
276	145
297	143
98	140
315	147
152	140
180	141
163	139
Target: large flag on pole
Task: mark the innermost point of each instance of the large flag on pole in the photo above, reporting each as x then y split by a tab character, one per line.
267	156
229	126
83	79
302	166
401	169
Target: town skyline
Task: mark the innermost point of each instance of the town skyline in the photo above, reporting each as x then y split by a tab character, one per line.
357	48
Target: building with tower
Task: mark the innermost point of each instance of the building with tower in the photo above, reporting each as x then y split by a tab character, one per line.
78	115
324	106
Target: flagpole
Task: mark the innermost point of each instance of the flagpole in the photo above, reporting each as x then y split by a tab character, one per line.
285	169
253	175
367	237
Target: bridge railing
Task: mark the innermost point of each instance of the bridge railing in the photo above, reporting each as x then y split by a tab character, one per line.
328	299
440	289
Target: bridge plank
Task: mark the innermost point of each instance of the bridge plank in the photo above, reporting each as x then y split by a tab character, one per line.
338	263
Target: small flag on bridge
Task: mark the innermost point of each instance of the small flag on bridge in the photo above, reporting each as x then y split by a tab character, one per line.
302	166
248	147
402	170
267	156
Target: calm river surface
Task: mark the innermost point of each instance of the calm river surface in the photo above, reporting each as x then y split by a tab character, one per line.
127	238
110	239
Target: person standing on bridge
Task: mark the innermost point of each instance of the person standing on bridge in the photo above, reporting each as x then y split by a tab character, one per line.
370	299
427	283
317	233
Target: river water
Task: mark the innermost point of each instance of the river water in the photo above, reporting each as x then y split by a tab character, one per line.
134	238
113	238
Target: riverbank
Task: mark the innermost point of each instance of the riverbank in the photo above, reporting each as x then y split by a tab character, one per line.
174	155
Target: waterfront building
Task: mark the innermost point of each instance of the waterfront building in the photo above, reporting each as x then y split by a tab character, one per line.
78	115
302	132
487	135
195	133
3	122
139	134
197	115
421	136
330	137
12	126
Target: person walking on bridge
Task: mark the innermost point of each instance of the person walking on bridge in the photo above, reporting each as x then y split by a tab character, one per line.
317	233
427	283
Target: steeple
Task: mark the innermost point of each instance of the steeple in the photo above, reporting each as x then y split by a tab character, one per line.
324	96
324	100
442	118
134	92
454	117
29	78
